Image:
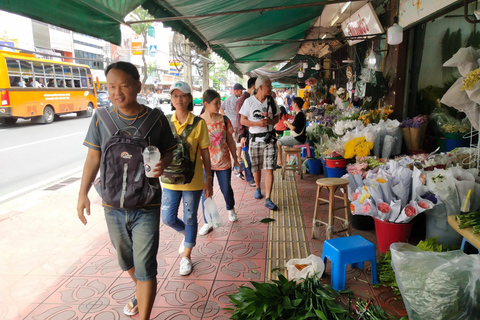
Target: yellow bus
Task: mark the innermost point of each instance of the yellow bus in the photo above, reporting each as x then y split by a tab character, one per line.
42	89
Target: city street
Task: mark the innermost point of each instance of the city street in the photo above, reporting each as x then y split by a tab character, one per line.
34	156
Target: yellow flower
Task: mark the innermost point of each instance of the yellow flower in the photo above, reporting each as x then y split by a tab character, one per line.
380	180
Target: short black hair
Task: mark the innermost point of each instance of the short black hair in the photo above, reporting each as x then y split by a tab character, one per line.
251	82
298	101
126	67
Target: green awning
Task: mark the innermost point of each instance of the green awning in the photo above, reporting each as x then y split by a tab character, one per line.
246	40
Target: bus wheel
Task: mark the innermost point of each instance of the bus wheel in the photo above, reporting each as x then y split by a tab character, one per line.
10	120
48	115
89	111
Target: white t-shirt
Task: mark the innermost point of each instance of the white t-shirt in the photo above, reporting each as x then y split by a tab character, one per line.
255	110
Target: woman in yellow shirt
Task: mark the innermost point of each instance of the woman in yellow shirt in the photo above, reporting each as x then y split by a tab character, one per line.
182	103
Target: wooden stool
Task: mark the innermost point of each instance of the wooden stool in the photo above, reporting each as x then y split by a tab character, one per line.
286	151
332	184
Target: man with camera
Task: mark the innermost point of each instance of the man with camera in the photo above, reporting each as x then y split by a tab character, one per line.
260	114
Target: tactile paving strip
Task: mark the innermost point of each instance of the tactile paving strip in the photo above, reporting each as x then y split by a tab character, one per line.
287	235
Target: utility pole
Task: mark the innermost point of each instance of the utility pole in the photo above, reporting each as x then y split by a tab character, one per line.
206	76
188	65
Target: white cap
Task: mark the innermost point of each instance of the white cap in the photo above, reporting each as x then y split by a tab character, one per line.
182	86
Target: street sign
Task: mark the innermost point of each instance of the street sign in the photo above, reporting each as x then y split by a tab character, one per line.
153	49
174	72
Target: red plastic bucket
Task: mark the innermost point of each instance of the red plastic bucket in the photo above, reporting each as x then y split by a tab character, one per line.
336	163
388	233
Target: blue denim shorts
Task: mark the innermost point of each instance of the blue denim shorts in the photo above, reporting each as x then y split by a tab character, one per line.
135	235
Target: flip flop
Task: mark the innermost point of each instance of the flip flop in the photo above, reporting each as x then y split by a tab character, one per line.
134	310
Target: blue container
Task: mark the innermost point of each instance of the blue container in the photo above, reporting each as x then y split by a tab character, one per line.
303	153
324	165
451	144
315	166
336	172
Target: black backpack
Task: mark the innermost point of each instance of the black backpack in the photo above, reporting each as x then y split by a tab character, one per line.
182	169
122	182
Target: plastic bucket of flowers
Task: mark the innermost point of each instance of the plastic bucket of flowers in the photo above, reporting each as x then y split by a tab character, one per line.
314	166
388	233
455	140
324	166
336	167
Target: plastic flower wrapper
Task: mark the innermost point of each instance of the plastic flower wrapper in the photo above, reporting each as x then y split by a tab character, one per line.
386	187
356	207
388	146
380	134
375	190
383	211
395	207
442	184
409	212
393	129
464	181
475	197
416	182
358	170
353	184
368	208
400	193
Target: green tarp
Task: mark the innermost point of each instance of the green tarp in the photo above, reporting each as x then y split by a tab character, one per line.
234	36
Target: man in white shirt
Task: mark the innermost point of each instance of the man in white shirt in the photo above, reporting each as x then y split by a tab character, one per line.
260	114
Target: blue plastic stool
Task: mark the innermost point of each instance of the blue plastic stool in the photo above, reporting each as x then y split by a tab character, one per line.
353	250
466	245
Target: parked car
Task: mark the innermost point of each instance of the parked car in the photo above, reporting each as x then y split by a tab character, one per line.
103	100
141	99
164	96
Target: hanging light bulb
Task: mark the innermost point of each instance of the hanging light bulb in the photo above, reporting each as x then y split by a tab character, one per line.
305	65
300	74
317	66
372	60
395	33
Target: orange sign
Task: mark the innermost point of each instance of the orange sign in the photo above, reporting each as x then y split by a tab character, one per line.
137	45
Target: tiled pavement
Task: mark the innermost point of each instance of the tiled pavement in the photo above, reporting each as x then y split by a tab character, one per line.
53	267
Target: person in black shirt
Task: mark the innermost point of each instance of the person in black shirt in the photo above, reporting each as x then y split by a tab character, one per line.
297	129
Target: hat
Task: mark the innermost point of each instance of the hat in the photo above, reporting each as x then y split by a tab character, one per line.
182	86
238	86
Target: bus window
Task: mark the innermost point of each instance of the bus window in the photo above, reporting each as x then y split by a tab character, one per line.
58	71
68	83
51	83
27	75
76	77
15	81
50	76
60	83
13	66
83	77
39	74
90	84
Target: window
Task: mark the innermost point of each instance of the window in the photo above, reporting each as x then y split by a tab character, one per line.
13	66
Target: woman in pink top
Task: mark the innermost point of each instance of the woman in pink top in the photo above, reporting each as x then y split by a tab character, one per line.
222	145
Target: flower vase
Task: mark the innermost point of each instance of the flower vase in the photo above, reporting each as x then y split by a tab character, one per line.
407	137
417	136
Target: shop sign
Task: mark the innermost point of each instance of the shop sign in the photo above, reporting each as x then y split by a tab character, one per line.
349	73
411	11
364	22
174	63
137	45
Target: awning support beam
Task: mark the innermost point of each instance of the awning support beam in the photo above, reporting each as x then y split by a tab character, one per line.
261	10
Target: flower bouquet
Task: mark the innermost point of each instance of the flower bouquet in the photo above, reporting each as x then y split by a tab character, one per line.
413	131
357	147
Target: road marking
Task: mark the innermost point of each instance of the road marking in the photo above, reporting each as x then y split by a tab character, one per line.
46	140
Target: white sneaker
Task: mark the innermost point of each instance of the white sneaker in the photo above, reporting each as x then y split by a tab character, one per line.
182	247
185	266
232	216
205	229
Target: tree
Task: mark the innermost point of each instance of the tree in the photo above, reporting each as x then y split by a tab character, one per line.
140	14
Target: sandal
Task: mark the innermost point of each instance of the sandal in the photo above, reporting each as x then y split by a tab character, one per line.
134	309
252	183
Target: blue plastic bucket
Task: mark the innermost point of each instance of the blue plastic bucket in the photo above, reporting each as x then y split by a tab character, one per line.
336	172
324	165
304	154
456	142
315	166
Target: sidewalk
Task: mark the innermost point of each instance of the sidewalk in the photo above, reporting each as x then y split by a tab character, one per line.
53	267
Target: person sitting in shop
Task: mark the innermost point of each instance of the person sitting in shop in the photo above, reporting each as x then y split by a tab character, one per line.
297	129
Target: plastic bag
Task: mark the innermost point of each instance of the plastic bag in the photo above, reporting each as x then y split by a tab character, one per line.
211	213
437	285
301	268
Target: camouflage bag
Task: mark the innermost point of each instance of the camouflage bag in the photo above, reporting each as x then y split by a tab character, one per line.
182	169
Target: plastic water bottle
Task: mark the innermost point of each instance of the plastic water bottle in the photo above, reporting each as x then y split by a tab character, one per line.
236	170
211	213
151	156
244	156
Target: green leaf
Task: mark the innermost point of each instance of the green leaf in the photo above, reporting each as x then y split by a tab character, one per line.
320	314
267	220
